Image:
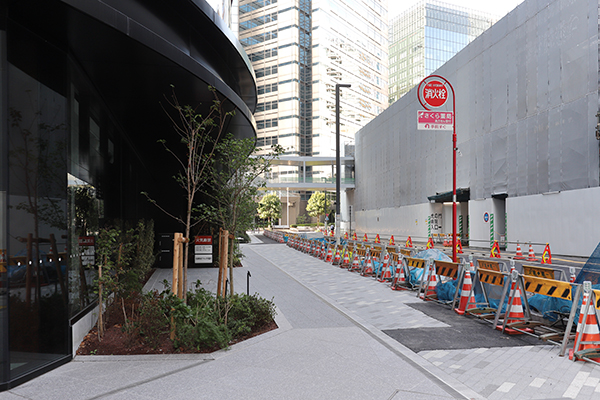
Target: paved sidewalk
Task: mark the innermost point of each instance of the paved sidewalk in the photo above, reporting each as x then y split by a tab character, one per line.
331	344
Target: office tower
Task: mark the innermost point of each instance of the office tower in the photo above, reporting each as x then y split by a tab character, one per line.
426	36
299	50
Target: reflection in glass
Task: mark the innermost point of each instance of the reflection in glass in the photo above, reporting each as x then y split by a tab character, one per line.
83	212
38	298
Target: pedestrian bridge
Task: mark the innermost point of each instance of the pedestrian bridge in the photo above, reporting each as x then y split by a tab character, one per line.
290	172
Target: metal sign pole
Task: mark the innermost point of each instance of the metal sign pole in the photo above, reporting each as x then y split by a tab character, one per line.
436	101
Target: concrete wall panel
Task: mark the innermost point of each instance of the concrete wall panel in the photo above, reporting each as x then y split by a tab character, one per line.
526	99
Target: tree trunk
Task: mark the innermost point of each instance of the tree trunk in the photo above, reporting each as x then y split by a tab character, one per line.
231	267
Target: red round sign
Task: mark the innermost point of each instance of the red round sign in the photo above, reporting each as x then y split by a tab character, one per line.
435	94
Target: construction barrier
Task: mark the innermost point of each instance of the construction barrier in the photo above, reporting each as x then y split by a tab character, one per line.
587	337
441	271
472	287
488	274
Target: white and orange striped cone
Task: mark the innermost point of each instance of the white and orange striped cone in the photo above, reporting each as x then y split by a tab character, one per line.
368	268
346	260
355	263
519	255
329	257
572	277
385	270
337	258
430	292
586	297
516	312
446	244
531	256
399	282
464	294
588	334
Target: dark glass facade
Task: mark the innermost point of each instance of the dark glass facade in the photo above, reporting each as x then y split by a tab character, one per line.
81	87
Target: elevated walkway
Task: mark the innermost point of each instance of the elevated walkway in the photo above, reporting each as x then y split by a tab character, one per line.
302	182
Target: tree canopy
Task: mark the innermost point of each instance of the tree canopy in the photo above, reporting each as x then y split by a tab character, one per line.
318	204
270	207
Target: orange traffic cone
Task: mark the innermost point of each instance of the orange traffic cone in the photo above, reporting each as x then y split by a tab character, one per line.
355	263
546	255
519	255
368	270
392	243
337	258
399	282
346	261
588	330
446	244
430	292
385	274
429	243
464	294
531	256
516	312
495	252
329	256
409	242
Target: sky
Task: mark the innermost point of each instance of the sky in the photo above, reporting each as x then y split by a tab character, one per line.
498	8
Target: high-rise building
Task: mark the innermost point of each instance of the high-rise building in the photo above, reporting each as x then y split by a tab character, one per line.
424	37
299	50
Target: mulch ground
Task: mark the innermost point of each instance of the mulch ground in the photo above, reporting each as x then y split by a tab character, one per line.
117	342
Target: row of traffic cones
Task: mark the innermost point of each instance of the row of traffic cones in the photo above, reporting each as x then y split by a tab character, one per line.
546	254
587	339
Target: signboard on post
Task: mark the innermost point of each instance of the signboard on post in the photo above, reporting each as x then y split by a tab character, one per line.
435	94
203	250
435	120
432	93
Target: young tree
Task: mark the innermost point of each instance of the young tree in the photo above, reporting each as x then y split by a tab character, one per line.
198	133
232	184
269	207
318	204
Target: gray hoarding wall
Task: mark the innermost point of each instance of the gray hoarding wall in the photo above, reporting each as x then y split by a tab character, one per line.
526	104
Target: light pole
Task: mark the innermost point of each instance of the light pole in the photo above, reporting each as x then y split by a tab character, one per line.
337	158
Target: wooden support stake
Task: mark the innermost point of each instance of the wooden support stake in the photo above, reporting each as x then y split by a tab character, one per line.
220	278
176	272
223	244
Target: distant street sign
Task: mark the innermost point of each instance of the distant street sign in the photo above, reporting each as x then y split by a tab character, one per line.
435	94
435	120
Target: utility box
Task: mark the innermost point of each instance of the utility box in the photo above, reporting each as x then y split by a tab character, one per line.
165	250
